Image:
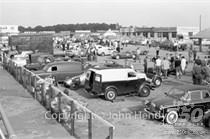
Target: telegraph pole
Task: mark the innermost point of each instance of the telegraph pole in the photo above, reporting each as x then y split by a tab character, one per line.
200	39
200	23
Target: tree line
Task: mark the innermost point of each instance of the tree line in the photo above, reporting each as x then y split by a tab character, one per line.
93	27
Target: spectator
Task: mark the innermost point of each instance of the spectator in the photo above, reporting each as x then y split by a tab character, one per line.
177	64
158	63
206	60
118	48
183	64
165	65
168	57
172	61
205	71
194	54
198	60
196	74
145	64
157	51
138	52
190	55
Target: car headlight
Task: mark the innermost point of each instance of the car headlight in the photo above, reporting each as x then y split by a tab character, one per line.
146	102
161	107
153	104
76	80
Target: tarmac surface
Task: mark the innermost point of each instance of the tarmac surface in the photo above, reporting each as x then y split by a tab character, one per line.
26	115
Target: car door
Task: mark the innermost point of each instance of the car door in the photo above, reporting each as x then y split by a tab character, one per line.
53	70
97	83
196	99
109	51
131	83
89	80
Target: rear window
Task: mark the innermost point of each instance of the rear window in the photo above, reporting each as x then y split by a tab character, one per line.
88	75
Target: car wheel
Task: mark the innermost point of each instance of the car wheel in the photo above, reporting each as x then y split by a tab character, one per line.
74	86
103	54
206	120
171	117
157	82
110	94
144	91
117	57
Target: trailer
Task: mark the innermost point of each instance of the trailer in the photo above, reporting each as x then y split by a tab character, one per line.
32	42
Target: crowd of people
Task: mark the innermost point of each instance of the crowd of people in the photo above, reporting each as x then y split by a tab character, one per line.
201	72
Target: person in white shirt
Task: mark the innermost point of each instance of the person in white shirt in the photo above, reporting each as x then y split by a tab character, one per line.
165	66
183	64
158	64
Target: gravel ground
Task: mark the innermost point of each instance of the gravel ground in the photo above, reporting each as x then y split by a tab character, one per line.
127	115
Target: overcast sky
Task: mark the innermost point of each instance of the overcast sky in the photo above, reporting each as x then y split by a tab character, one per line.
157	13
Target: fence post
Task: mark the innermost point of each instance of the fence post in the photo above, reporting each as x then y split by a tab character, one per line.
35	87
43	94
21	75
111	130
72	118
90	126
59	102
51	96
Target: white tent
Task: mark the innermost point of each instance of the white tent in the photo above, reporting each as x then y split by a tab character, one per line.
109	33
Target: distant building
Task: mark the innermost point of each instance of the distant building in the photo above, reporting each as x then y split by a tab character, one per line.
187	32
6	31
82	31
158	32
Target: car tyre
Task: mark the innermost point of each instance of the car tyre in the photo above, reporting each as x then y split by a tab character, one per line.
74	86
110	94
171	117
206	120
157	82
144	91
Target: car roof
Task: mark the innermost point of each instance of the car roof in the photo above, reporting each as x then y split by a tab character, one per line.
105	70
192	87
62	62
110	66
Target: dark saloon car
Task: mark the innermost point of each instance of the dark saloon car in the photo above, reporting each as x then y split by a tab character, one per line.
61	70
185	101
123	55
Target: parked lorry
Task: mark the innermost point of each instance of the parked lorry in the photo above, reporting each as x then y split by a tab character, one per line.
32	42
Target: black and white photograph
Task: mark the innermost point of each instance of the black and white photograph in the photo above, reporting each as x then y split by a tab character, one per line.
104	69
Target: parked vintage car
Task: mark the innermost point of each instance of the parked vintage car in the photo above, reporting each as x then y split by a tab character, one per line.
123	55
76	52
185	101
104	51
60	70
79	81
111	82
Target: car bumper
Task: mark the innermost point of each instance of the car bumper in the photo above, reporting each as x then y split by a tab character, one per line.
156	115
66	85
